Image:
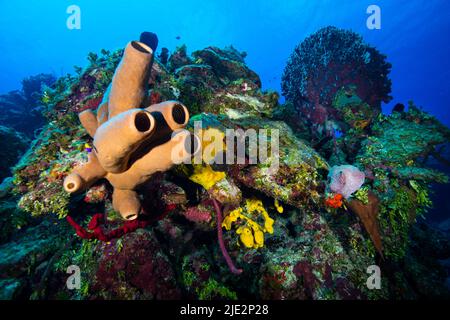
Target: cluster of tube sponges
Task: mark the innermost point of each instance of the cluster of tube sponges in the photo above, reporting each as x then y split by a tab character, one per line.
132	141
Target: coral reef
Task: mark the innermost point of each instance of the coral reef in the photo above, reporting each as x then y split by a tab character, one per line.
22	109
275	229
12	145
336	81
395	156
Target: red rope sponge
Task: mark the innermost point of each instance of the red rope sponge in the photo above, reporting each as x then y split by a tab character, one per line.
96	231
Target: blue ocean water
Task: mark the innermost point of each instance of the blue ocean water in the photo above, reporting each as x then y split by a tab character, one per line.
414	35
35	37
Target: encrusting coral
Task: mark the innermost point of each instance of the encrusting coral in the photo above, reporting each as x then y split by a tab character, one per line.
130	143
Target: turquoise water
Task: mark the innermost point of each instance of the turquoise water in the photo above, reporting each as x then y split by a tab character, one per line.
414	35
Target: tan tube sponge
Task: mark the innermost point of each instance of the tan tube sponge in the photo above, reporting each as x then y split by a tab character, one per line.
127	203
117	138
102	110
128	87
131	143
89	121
181	147
174	113
85	175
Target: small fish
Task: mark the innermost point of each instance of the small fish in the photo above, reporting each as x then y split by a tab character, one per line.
178	37
338	133
88	148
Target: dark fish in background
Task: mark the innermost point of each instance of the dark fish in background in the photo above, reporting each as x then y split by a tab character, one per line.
178	37
399	107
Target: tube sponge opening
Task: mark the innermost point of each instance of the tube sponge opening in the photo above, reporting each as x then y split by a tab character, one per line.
140	47
73	183
131	216
179	114
175	114
142	122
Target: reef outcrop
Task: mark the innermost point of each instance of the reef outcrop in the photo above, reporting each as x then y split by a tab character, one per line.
336	81
13	144
289	235
22	109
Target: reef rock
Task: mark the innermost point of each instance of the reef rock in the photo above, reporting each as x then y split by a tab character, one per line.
26	254
134	267
22	109
13	144
273	220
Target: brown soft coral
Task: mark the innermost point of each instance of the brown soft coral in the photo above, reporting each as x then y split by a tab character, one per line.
368	214
131	143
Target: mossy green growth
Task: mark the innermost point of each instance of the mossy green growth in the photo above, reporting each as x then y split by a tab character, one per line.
362	246
356	113
39	174
188	278
362	194
196	97
45	99
397	214
214	290
40	202
83	256
209	289
400	138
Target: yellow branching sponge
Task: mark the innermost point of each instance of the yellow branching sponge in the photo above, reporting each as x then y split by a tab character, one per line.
206	176
278	206
217	184
251	233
